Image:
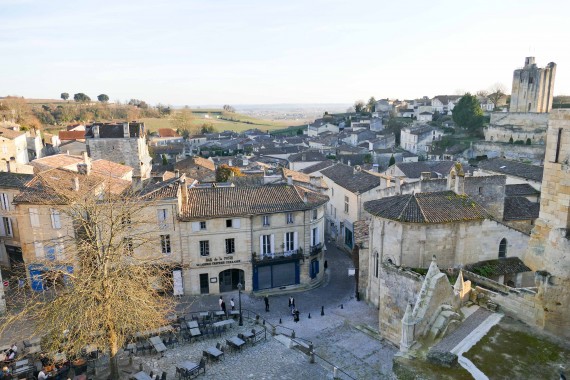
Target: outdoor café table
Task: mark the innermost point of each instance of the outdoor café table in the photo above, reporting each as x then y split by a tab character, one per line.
141	376
234	312
158	344
195	332
190	366
219	313
192	324
214	352
225	322
21	363
21	370
235	342
248	335
204	314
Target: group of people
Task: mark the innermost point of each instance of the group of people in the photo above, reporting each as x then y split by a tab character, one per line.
11	353
223	304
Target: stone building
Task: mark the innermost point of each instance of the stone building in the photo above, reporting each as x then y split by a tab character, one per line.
533	87
263	237
549	244
123	143
418	139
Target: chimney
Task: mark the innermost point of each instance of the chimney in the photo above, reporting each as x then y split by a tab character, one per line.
230	163
314	180
348	163
177	173
126	133
460	184
75	184
398	188
289	180
303	157
95	129
305	197
184	188
425	176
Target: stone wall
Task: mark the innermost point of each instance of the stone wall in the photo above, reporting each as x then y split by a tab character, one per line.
397	288
532	153
518	126
488	191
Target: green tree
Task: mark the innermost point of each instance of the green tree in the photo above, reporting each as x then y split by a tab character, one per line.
468	113
103	98
164	160
81	98
183	120
224	172
528	142
511	140
359	106
64	95
207	128
229	108
392	161
371	104
367	158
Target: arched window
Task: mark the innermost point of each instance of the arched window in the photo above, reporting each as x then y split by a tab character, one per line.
503	248
376	265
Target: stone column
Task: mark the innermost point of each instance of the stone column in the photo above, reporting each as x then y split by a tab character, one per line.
408	326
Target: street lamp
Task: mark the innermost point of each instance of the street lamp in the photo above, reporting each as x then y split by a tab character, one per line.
240	286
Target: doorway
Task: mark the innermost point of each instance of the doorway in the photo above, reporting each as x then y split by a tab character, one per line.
229	279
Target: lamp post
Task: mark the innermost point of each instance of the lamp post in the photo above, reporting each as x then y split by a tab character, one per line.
240	286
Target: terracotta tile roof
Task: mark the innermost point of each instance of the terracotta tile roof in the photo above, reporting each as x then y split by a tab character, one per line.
71	135
10	133
519	190
110	168
437	207
56	161
345	176
195	161
302	177
69	162
507	265
513	168
216	202
167	132
14	180
520	208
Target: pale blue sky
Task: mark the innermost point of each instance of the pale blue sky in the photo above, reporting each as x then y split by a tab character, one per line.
243	52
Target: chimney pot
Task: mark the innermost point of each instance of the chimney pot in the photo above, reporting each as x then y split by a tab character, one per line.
75	184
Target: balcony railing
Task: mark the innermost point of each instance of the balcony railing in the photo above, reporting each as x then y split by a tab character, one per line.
286	255
316	249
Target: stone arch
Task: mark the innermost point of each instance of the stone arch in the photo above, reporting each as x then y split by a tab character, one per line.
229	279
503	248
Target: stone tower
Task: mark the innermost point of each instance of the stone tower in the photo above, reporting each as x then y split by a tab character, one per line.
549	246
533	87
123	143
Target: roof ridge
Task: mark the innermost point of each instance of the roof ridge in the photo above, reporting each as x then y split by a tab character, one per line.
406	205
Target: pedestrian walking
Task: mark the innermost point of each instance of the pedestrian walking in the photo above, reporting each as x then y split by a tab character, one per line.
266	299
220	301
232	304
326	265
223	306
292	304
296	316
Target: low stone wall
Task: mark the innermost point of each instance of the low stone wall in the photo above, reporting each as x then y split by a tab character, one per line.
521	304
532	153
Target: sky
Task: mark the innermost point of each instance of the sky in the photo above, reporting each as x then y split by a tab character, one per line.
274	52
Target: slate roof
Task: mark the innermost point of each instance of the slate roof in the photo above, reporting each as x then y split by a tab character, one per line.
160	190
513	168
436	207
14	180
345	176
317	167
520	208
507	265
415	169
217	202
115	130
520	190
309	155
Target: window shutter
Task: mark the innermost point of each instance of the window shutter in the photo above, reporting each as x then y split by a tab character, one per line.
55	220
2	228
195	226
285	248
318	237
4	201
312	236
272	248
34	217
295	240
38	247
235	223
261	245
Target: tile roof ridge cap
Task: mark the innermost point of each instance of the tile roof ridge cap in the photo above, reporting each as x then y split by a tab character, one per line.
406	205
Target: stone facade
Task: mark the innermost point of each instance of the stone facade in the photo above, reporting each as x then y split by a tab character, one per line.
550	239
532	153
533	87
517	125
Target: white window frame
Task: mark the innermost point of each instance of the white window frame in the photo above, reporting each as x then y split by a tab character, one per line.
204	248
203	225
55	219
6	227
34	217
4	202
162	217
290	219
165	244
266	246
289	241
266	220
232	243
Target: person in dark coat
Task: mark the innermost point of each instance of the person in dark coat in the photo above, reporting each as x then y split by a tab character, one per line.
266	299
223	305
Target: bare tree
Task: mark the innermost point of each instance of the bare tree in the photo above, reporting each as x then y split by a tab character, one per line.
497	93
107	297
183	121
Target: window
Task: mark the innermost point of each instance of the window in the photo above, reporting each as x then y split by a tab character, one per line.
4	203
266	220
204	248
203	225
165	244
162	216
503	248
315	214
6	227
229	223
34	217
230	246
480	190
289	218
346	204
55	219
289	241
376	265
315	236
266	244
128	244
